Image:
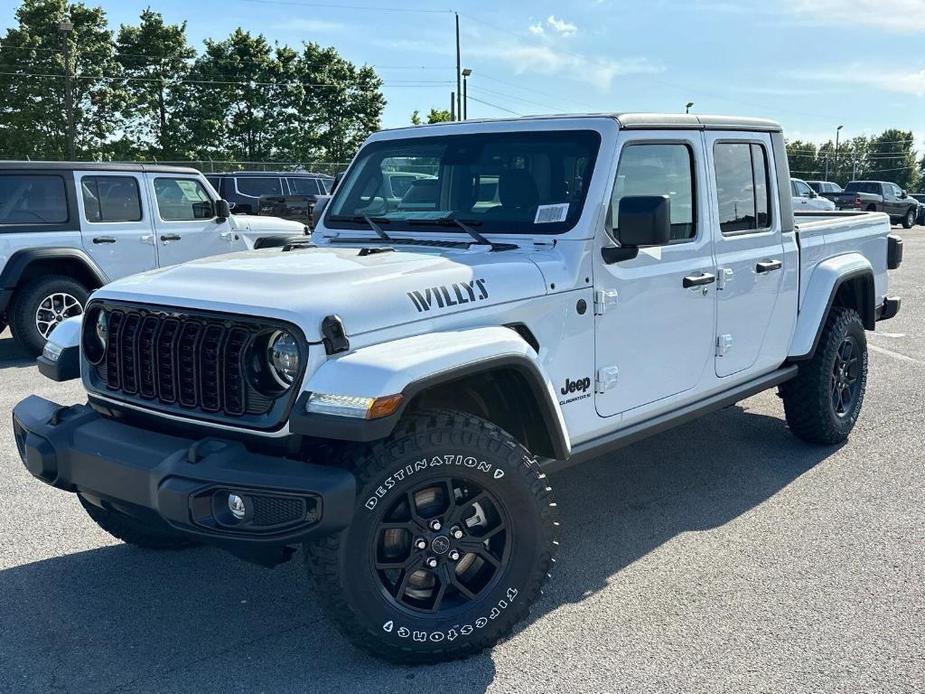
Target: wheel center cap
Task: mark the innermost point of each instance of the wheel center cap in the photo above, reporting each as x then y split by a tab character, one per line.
440	544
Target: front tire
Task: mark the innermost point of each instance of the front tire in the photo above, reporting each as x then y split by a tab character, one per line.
909	219
40	305
133	531
823	402
453	534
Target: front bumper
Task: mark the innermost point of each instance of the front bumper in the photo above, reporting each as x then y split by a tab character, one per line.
183	482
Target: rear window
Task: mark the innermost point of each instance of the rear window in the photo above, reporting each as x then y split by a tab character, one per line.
259	185
111	198
32	199
863	187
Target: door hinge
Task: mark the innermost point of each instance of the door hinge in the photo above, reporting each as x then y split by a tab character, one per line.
606	379
604	298
723	345
725	276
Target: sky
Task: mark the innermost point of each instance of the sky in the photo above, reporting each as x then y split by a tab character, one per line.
810	64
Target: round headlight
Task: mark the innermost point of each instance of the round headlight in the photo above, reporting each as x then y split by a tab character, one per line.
102	327
283	357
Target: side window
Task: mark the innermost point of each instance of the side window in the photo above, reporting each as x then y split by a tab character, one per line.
216	183
658	169
182	200
111	198
302	186
255	186
32	199
743	186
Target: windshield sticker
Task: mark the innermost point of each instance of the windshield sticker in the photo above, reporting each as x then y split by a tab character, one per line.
449	295
548	214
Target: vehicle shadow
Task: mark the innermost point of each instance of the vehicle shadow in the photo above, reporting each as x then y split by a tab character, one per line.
11	354
199	620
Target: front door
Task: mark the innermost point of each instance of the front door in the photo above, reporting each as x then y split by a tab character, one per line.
116	228
749	249
186	226
654	335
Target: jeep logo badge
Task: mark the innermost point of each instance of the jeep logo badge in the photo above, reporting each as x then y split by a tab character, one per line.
579	386
440	544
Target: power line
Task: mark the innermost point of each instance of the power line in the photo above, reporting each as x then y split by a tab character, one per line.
500	108
339	6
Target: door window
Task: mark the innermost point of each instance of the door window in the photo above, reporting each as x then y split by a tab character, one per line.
182	200
111	198
303	186
743	186
658	169
255	186
32	200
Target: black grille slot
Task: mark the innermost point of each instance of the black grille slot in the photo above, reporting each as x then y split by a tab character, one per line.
189	364
276	510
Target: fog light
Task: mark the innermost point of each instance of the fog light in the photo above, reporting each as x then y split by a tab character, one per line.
236	506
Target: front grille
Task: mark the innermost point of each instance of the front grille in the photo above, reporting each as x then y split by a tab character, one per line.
194	363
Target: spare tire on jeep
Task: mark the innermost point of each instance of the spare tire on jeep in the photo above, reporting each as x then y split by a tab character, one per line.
453	535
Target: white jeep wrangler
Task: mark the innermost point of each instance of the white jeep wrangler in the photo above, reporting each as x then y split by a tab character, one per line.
391	397
67	228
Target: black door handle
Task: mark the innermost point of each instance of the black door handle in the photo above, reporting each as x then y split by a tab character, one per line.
103	239
768	266
698	280
170	237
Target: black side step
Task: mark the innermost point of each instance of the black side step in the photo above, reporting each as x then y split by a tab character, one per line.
636	432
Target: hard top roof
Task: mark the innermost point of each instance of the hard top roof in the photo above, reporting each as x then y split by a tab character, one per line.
95	166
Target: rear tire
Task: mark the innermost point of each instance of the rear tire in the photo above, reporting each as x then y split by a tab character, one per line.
823	402
478	482
40	305
133	531
909	219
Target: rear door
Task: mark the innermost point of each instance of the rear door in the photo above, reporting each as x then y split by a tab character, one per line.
185	224
653	335
802	198
116	226
748	245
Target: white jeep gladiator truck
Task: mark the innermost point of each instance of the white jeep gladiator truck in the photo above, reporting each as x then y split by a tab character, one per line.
391	396
67	228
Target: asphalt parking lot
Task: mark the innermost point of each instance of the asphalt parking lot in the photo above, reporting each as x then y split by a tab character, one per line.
723	556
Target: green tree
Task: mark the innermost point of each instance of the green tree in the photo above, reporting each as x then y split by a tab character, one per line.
892	158
802	158
436	115
155	58
33	119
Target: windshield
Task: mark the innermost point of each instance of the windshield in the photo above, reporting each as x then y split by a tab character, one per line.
526	182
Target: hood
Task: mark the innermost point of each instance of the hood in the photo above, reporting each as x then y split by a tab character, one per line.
368	291
261	224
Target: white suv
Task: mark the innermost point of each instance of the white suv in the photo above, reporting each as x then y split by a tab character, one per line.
69	228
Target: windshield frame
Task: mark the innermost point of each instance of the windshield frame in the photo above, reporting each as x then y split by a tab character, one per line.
514	228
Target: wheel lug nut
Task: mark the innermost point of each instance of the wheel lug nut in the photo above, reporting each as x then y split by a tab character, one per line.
435	525
456	532
454	555
431	562
420	543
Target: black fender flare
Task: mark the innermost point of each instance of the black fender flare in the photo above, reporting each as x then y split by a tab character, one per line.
20	260
362	430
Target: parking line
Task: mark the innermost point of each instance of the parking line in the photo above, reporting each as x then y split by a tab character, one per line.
895	355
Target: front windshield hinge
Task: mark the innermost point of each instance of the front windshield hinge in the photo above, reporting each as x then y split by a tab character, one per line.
544	244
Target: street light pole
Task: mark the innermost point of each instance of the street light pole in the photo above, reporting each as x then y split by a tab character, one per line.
458	73
65	27
837	133
465	93
687	108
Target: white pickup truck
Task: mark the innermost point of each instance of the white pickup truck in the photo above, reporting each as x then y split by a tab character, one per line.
67	228
391	396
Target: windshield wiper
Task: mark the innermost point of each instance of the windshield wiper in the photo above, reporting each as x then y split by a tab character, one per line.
373	222
464	225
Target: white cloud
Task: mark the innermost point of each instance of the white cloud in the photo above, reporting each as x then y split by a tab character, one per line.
905	16
561	26
888	79
555	25
547	60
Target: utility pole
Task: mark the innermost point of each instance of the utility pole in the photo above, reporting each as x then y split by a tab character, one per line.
827	166
458	73
452	105
65	27
837	133
465	93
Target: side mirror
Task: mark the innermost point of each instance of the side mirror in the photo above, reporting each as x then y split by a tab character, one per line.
642	221
904	195
320	203
222	210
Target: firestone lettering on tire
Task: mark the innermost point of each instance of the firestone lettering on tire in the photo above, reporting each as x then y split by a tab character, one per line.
423	464
456	630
